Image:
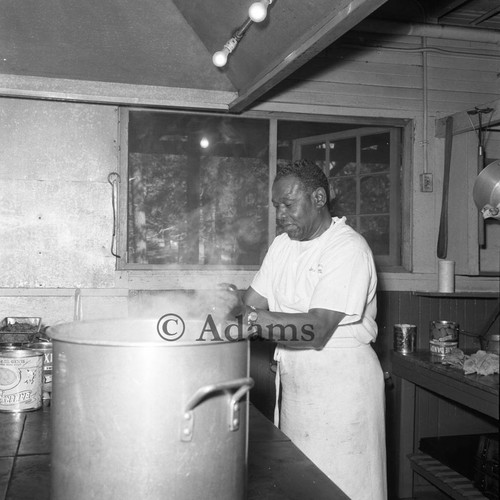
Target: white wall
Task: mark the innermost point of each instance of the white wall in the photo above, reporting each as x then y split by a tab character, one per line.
55	207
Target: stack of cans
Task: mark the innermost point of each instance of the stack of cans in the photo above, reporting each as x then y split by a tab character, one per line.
25	365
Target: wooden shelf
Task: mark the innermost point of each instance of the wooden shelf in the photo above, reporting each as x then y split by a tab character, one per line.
447	480
422	368
460	295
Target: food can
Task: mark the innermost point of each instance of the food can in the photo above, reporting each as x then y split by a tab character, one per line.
45	348
20	380
443	331
12	346
442	348
405	338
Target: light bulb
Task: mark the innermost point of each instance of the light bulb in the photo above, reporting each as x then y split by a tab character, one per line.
258	11
220	57
204	143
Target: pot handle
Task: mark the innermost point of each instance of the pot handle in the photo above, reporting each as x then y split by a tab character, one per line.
240	387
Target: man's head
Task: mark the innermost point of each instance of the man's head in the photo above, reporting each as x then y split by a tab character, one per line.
301	197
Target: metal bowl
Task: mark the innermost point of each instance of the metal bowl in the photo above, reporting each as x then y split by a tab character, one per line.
486	191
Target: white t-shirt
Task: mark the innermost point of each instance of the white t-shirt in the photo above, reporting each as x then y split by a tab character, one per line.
335	271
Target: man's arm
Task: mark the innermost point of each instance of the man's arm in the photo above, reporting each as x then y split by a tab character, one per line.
311	330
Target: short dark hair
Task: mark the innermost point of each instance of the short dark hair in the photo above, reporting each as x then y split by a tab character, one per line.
308	173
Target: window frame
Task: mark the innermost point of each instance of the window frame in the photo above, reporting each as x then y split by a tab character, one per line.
142	274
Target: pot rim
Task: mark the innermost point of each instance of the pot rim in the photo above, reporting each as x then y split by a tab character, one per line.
125	332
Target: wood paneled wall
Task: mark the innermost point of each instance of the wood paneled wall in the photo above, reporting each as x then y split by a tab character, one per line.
408	307
386	72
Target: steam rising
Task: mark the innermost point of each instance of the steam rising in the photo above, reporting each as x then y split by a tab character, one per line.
188	304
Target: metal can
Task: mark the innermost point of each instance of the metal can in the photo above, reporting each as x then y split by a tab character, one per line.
405	338
20	380
45	348
11	346
443	331
493	344
442	348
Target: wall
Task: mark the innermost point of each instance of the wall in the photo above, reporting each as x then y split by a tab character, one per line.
409	77
56	209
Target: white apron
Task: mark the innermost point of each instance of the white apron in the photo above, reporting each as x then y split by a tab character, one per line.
332	409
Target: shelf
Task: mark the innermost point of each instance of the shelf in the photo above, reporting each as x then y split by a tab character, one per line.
459	295
447	480
478	392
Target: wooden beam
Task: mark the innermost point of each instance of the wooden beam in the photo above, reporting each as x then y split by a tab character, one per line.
486	16
60	89
316	39
463	122
449	8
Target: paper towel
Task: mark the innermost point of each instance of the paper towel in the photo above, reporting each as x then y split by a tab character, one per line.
446	276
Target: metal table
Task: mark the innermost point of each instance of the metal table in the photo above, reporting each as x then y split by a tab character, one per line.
277	469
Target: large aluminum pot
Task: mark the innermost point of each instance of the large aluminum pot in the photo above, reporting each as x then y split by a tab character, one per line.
135	416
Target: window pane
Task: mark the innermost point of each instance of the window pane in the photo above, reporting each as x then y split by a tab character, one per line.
375	194
375	153
314	152
343	157
198	189
362	167
376	231
344	191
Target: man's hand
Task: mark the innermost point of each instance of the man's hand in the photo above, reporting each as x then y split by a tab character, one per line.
229	303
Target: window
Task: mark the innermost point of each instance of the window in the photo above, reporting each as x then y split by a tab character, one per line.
197	191
362	166
198	184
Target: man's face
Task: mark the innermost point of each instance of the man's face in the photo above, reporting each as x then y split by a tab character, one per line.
296	211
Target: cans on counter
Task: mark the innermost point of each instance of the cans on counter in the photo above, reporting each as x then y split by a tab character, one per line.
444	331
20	380
45	348
405	338
443	337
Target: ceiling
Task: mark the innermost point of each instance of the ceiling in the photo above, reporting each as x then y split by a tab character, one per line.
169	43
478	14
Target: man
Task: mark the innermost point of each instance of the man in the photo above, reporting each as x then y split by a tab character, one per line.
315	295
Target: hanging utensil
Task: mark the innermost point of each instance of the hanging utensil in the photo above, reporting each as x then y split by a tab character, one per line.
442	245
481	161
114	179
486	191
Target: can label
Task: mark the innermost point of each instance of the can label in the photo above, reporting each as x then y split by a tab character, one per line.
405	338
20	380
45	348
442	348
